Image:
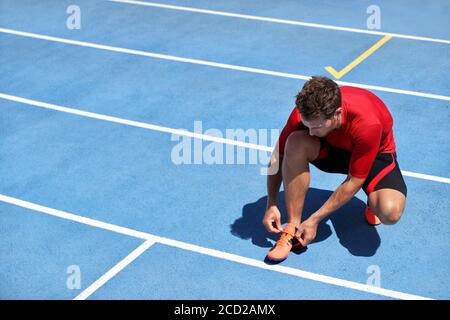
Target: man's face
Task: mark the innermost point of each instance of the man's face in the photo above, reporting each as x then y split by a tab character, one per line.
320	127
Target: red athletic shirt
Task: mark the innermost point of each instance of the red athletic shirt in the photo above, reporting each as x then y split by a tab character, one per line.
366	129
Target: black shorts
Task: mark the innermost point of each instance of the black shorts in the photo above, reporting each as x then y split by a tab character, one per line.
385	171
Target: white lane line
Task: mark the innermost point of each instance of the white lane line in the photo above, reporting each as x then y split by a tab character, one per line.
114	270
282	21
179	132
214	253
132	123
213	64
76	218
425	176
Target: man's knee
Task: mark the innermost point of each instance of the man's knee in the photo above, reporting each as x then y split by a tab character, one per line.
301	146
390	212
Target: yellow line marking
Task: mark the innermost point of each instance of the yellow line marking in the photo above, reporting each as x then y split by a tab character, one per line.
358	60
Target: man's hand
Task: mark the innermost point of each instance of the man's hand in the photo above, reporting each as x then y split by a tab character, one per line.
272	215
306	232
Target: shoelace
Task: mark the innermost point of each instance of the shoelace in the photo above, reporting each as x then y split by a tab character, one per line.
285	238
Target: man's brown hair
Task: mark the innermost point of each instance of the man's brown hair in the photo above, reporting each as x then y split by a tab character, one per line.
319	96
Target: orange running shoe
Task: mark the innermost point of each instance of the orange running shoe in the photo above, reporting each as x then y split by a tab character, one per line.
371	218
284	244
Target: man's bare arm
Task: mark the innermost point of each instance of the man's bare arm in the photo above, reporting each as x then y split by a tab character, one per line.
274	179
340	196
308	229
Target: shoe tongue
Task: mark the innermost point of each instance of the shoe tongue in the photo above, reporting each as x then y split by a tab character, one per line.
290	229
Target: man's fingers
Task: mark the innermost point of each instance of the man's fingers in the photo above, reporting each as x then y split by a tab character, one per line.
303	242
278	224
299	233
301	237
269	227
276	229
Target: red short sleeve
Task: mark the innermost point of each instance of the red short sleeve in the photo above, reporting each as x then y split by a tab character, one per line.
291	125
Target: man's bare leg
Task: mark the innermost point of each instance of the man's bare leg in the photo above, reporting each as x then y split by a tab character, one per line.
300	149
